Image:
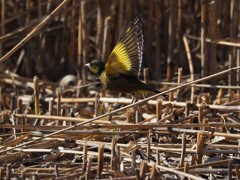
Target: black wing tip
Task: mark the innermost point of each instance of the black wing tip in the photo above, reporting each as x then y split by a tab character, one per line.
138	17
137	20
132	32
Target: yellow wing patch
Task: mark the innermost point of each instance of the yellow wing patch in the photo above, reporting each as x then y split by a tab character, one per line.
119	61
126	57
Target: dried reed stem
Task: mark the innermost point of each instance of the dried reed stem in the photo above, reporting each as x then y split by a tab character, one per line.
34	31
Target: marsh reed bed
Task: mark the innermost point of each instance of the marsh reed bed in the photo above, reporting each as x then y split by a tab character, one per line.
57	122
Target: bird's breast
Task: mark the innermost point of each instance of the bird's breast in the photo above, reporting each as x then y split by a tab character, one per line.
103	78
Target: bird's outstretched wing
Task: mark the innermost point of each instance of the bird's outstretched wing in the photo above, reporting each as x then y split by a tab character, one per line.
126	57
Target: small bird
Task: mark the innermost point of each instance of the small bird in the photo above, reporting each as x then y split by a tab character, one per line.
122	68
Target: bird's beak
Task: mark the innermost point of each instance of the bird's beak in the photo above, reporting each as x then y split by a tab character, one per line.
87	65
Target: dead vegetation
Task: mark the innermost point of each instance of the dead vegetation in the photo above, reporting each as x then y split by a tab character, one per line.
57	123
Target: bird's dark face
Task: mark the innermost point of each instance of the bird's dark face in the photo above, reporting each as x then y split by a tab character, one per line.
96	67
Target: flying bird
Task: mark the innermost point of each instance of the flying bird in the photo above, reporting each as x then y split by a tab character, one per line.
122	68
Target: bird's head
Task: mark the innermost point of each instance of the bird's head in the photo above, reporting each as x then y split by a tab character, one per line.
96	67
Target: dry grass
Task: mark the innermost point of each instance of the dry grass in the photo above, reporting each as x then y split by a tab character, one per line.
57	123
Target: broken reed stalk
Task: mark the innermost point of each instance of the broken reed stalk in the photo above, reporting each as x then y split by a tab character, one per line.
106	39
225	43
100	160
212	30
80	153
113	154
179	81
215	163
217	41
2	24
39	9
237	172
153	173
201	115
85	158
126	107
143	169
234	28
157	28
88	169
73	31
145	75
185	169
151	102
230	64
84	41
8	172
36	95
197	85
183	153
118	158
171	38
159	108
238	72
97	107
179	27
24	81
58	102
230	169
50	107
203	37
201	137
106	124
79	36
3	4
149	135
34	31
3	17
160	167
161	131
190	63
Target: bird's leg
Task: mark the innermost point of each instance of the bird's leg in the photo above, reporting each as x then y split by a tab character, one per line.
136	109
134	98
137	113
116	105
